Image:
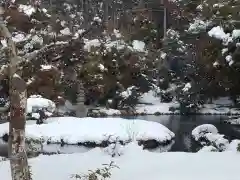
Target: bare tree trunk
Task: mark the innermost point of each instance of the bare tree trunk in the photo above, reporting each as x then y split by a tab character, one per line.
18	100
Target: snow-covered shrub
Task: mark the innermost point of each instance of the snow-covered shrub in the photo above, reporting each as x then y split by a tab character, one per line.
201	130
114	149
98	174
234	146
208	149
208	134
113	72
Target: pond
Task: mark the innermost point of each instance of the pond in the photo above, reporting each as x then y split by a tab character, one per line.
182	126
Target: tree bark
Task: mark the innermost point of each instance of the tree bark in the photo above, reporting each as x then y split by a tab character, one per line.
18	101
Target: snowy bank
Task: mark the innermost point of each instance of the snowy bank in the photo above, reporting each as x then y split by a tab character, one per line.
150	104
135	163
92	132
208	134
233	121
220	106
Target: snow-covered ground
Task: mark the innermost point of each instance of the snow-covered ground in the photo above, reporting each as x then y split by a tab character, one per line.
135	163
97	131
150	104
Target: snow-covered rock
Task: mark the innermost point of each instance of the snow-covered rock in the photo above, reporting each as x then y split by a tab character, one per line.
71	130
37	102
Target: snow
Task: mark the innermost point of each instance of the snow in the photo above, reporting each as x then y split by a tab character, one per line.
209	133
91	43
201	130
127	93
236	33
37	39
218	33
46	67
197	26
97	19
18	38
135	163
208	149
118	44
162	108
138	45
187	87
231	63
109	112
233	146
149	104
4	43
37	102
66	31
215	63
234	121
155	104
222	105
163	55
2	159
117	33
149	98
74	130
223	101
27	9
218	140
228	58
101	67
224	50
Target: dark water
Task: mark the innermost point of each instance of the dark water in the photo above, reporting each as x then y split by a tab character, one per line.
182	126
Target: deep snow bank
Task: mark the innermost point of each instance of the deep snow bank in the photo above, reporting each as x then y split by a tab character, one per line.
135	163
